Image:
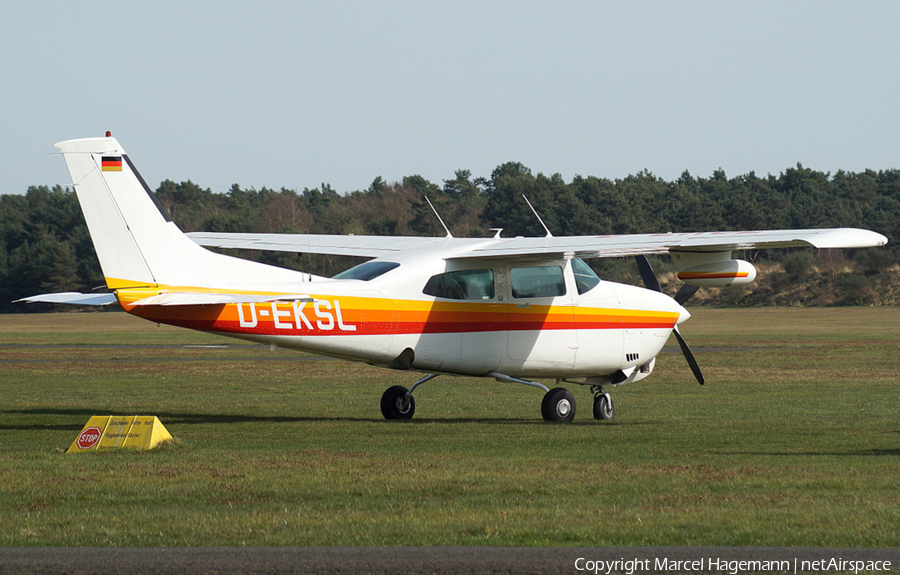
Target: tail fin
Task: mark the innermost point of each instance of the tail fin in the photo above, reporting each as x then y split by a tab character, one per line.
136	241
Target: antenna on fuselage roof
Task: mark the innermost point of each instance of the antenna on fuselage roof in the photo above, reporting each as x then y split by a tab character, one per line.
449	235
549	235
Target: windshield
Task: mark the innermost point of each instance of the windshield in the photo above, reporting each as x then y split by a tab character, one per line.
366	271
585	278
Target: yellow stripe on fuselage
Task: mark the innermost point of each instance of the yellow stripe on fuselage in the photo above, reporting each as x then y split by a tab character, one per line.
116	283
354	315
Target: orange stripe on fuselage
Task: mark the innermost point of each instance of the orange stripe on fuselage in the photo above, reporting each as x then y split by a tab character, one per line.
345	315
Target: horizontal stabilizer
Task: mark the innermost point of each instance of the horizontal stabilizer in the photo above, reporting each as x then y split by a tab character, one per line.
170	299
71	297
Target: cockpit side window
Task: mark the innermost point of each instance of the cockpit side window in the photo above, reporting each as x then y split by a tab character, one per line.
366	271
542	281
585	278
463	284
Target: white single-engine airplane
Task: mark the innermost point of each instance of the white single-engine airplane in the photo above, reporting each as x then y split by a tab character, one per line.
512	309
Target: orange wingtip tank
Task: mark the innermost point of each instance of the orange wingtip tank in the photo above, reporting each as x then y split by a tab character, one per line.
719	274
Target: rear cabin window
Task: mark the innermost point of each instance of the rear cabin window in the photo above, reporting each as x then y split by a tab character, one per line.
545	281
463	284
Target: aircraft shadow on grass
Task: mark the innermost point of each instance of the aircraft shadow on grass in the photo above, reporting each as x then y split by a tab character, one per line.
175	418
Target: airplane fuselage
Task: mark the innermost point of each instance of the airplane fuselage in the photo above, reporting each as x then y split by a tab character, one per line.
561	333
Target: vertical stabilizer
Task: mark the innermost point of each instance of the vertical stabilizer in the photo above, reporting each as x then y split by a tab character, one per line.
136	241
116	208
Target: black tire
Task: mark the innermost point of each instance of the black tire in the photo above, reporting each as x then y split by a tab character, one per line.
604	409
558	405
396	403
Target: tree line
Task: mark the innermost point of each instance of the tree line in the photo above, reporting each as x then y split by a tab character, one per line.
45	246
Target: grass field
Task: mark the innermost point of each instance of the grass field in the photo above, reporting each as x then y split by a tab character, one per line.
793	441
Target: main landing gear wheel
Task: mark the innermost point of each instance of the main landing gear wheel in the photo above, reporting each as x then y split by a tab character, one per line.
558	405
603	407
397	403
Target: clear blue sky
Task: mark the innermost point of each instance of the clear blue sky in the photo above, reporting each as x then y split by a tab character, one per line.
293	94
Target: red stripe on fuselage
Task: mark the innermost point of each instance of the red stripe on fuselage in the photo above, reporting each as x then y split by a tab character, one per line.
206	322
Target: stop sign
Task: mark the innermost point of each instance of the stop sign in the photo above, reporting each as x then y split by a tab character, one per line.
88	438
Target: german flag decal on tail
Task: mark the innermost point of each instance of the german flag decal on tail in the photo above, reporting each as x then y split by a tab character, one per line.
111	163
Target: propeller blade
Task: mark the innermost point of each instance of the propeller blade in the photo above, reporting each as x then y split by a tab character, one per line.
646	271
685	293
689	356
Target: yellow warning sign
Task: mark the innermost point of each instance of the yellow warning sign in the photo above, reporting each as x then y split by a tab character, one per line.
110	431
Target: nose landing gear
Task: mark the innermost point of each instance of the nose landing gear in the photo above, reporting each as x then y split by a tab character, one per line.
604	409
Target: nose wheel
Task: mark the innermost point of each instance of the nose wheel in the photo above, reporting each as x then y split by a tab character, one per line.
604	410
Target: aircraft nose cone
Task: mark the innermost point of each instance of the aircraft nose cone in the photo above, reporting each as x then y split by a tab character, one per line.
683	315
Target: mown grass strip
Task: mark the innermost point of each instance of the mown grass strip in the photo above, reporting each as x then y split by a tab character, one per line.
794	444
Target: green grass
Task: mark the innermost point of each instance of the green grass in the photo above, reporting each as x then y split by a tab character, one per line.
794	441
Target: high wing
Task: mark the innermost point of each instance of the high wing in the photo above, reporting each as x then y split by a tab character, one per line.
643	244
580	246
363	246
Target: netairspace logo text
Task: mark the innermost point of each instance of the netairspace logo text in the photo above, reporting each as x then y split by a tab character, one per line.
631	566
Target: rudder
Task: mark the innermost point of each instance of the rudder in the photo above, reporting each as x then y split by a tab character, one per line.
117	208
137	243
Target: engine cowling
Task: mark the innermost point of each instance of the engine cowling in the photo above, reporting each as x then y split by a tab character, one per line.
722	273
